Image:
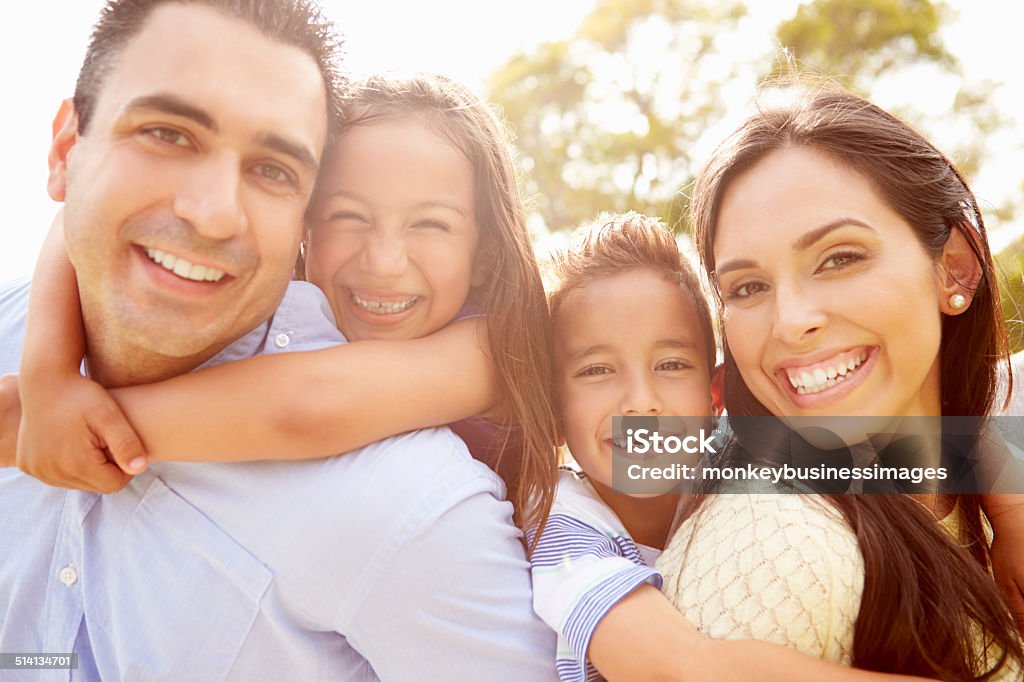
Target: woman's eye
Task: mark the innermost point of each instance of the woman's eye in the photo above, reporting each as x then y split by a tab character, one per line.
746	290
169	135
837	261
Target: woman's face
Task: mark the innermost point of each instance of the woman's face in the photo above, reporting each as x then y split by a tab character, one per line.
831	302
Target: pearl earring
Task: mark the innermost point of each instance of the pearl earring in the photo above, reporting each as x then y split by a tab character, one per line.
957	301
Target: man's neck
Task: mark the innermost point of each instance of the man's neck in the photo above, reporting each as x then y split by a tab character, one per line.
114	362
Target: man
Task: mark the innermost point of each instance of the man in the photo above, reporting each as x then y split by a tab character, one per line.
196	130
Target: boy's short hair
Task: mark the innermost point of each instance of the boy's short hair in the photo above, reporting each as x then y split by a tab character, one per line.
613	244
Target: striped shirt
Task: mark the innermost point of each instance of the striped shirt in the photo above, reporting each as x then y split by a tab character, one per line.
583	565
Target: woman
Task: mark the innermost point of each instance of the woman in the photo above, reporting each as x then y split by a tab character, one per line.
855	279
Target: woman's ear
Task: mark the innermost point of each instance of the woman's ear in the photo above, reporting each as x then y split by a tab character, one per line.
959	271
718	391
300	262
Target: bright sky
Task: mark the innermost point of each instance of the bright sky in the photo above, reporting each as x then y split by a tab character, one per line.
42	44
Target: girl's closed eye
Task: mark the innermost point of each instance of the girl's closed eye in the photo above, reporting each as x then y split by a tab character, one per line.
433	225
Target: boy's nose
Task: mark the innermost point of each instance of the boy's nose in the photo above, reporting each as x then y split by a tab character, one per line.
640	398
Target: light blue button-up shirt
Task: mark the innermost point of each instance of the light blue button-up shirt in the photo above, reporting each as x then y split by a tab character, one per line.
397	562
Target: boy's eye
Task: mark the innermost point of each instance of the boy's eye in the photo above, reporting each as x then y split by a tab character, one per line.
593	371
673	365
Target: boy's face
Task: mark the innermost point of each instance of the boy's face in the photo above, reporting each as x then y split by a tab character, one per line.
628	344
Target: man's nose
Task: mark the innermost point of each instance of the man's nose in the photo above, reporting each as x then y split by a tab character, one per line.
211	201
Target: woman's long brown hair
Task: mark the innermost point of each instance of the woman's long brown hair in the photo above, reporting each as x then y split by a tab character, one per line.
929	606
518	327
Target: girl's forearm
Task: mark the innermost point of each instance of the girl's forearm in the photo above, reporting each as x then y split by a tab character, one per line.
314	404
54	340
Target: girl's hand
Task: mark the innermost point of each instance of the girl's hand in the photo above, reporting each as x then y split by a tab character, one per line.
74	435
1006	513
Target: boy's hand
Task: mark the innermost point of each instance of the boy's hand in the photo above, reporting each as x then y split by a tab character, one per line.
74	435
10	417
1006	513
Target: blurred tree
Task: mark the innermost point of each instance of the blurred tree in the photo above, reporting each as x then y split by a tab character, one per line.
610	118
607	119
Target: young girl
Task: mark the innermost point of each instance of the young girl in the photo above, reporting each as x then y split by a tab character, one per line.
416	236
633	338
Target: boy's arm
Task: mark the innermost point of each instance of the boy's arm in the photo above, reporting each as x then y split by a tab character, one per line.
69	425
643	637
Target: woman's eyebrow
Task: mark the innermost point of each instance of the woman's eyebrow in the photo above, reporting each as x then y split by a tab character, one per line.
809	238
804	241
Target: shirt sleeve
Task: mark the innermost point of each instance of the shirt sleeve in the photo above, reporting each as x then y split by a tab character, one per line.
579	574
453	602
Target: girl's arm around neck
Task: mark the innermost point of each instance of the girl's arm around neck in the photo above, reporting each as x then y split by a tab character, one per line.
643	637
307	405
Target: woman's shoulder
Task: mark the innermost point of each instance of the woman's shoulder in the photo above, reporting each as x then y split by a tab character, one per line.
784	568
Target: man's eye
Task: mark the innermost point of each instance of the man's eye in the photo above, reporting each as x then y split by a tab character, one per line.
273	172
169	135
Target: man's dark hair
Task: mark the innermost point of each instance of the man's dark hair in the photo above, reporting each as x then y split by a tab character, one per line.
298	23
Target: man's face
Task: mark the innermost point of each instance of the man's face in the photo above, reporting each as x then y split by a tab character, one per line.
184	199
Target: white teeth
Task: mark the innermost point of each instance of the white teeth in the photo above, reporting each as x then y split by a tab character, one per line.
184	269
820	378
619	443
384	307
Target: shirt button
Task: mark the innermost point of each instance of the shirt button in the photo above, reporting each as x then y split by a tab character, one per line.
281	340
68	575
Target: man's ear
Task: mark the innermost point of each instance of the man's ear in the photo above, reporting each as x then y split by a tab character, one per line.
65	135
959	271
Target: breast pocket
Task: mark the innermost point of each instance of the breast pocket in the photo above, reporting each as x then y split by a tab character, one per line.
176	597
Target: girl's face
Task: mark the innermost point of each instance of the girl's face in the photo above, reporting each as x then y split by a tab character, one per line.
393	231
832	305
627	344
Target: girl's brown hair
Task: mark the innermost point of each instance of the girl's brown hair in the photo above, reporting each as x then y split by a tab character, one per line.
512	297
925	597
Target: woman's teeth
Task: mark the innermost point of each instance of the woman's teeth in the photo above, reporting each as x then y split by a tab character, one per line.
806	382
184	269
384	307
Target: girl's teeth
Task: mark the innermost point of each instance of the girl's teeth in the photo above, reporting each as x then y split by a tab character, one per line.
384	307
184	269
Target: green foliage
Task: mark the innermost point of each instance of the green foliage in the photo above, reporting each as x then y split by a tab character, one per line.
606	120
1010	264
856	41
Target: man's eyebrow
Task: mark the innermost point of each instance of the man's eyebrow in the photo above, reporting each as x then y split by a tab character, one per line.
175	106
804	241
293	148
